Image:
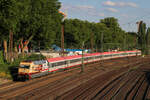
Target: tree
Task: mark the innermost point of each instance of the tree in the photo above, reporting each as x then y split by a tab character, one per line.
76	31
116	34
98	30
41	21
147	40
29	21
132	40
8	19
143	37
110	22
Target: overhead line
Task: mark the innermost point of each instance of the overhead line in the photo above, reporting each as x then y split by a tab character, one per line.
130	22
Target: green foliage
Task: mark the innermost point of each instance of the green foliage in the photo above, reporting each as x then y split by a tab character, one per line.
41	19
110	22
131	40
3	68
8	17
77	31
25	18
148	41
1	57
143	38
34	57
4	71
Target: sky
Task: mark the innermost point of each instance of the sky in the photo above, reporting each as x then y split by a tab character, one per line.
128	12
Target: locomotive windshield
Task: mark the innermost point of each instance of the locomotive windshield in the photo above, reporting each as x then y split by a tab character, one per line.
25	66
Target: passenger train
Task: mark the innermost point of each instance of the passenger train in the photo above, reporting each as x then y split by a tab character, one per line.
32	69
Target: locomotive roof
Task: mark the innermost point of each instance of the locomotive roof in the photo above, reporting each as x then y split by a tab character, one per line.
85	55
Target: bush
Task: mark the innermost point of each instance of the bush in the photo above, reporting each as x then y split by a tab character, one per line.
4	71
1	57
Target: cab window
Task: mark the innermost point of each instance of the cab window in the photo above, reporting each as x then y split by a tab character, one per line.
25	66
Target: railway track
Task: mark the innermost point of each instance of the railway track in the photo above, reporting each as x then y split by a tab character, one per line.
37	88
130	85
92	87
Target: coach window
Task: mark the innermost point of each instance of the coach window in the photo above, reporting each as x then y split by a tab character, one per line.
97	57
54	64
90	58
79	59
86	58
100	56
49	64
123	53
104	55
75	60
130	53
72	61
61	63
115	54
107	55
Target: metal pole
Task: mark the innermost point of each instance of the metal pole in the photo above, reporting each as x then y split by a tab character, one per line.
82	67
39	50
138	25
62	40
101	47
102	42
92	42
124	42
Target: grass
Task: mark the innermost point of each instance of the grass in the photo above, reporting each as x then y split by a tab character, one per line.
4	71
1	58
